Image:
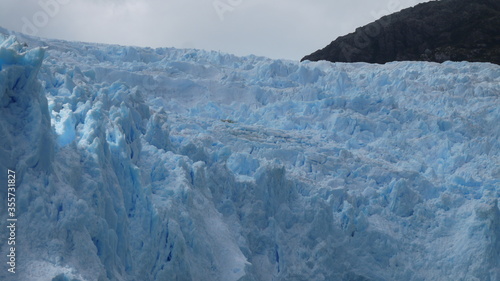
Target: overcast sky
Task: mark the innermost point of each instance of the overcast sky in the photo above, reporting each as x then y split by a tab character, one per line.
274	28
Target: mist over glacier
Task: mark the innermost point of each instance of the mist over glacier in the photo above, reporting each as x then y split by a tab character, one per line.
170	164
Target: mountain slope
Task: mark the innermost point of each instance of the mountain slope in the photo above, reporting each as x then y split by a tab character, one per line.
456	30
168	164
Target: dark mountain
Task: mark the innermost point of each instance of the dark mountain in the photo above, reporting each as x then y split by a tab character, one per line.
457	30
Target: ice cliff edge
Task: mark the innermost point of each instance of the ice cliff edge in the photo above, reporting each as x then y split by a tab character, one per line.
168	164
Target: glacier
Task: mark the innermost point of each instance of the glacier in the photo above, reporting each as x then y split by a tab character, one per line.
180	164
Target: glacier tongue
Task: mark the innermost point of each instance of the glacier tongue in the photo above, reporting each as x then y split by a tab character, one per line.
168	164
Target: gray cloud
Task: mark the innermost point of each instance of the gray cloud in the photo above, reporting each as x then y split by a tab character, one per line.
278	29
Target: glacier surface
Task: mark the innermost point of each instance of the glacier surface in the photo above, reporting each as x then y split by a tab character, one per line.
169	164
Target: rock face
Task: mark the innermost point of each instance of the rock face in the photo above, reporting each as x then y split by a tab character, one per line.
456	30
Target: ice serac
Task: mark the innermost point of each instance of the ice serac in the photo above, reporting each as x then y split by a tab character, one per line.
168	164
26	142
26	122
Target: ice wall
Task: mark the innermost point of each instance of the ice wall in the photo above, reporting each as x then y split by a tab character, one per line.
167	164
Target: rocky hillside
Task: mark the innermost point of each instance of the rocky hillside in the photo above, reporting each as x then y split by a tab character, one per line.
457	30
